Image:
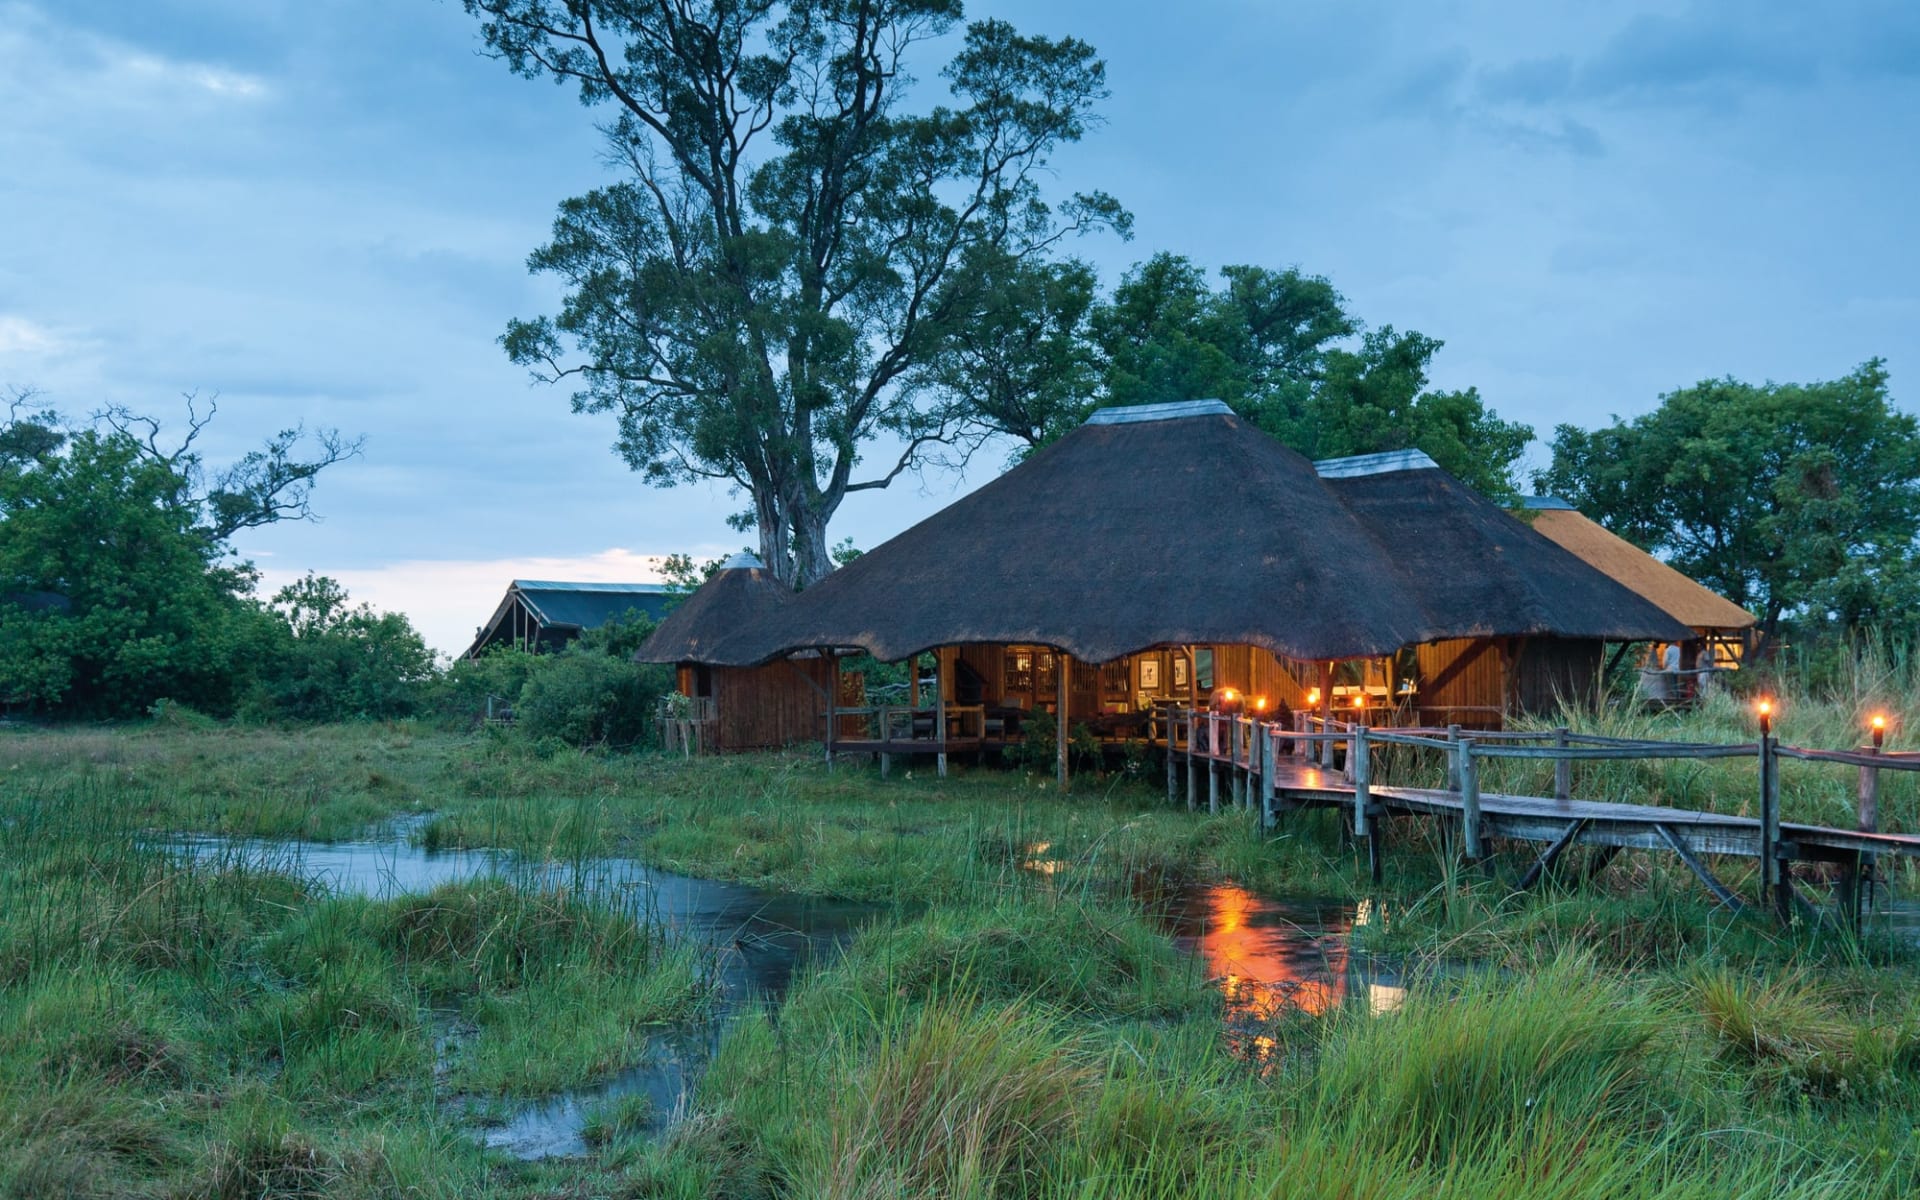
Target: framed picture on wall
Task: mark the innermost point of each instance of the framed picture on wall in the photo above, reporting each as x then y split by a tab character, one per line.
1179	671
1149	674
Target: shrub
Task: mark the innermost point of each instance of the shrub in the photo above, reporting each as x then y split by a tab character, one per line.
589	699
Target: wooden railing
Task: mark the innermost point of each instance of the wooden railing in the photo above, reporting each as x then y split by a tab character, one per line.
1250	750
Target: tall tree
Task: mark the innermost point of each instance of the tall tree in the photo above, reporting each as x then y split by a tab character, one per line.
767	291
117	585
1794	500
1279	347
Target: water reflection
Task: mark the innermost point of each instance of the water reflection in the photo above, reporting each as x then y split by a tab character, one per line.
761	940
1270	957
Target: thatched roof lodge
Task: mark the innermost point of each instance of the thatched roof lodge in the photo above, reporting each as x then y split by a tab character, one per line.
1175	552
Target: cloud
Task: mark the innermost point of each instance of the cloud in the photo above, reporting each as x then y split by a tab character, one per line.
448	599
1527	81
18	335
59	72
1565	136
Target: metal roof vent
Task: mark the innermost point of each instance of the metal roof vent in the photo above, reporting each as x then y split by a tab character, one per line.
1375	464
1135	413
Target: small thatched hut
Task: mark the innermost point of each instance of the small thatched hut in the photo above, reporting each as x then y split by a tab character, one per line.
1173	552
742	697
1722	631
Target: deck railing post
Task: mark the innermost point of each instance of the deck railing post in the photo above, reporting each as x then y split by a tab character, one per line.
1362	781
1453	758
1172	787
1470	802
1859	876
1770	879
1269	752
1063	667
833	704
1235	778
1213	762
1189	724
1562	767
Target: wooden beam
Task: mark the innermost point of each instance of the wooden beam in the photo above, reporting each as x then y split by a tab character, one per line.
1720	890
1470	803
1548	857
941	683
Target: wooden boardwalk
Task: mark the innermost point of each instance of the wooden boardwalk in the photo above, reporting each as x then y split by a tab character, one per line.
1263	766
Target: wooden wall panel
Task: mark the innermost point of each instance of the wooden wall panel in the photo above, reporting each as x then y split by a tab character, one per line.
779	704
1462	682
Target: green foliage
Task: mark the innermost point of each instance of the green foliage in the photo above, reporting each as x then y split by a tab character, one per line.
339	660
152	609
1277	346
1800	502
117	586
770	288
586	698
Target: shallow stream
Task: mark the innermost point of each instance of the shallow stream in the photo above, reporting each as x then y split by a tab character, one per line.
1265	955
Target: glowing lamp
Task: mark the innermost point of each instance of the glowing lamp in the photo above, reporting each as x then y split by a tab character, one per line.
1259	704
1359	699
1879	730
1765	710
1313	695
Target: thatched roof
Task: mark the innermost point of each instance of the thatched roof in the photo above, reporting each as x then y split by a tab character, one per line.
726	622
1170	524
1677	595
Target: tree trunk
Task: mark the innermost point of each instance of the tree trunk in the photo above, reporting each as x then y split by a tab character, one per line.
771	523
812	559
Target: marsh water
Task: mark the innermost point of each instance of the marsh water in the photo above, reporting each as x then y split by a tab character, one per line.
1266	955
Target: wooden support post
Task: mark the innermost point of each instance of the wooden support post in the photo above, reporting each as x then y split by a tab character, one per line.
1171	786
1562	768
1213	765
941	677
1193	731
1326	713
1358	759
1857	882
1470	802
1233	761
1453	758
1770	862
833	704
913	682
1269	751
1063	668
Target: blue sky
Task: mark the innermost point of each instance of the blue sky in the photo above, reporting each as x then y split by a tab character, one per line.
322	212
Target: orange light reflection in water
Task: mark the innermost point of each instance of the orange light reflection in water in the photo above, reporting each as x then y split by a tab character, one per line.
1265	969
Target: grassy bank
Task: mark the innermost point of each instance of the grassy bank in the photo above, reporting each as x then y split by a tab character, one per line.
212	1027
1015	1025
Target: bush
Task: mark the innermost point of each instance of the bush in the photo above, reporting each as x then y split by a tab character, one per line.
585	698
457	698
